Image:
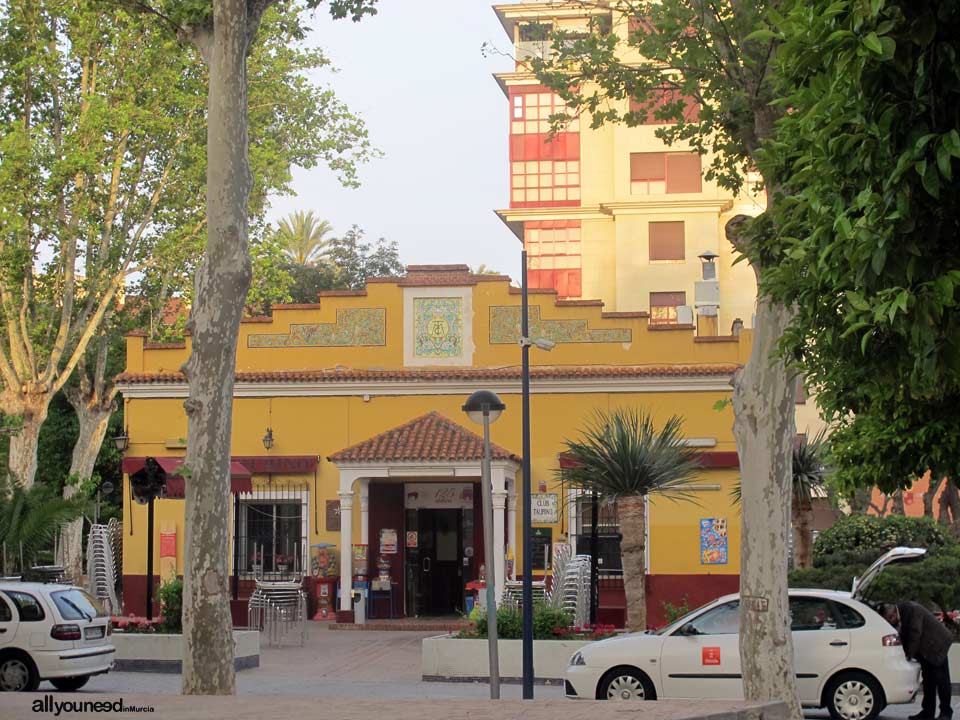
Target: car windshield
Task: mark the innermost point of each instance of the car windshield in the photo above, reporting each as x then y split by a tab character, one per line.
667	629
75	604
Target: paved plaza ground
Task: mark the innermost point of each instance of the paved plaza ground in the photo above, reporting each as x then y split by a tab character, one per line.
354	666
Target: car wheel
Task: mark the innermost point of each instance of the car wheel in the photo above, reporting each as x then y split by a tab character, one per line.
69	684
854	696
626	683
18	674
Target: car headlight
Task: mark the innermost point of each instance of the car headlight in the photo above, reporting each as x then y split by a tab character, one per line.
577	659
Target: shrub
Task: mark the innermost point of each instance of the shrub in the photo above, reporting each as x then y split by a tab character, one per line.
510	623
673	612
826	577
171	606
860	539
133	624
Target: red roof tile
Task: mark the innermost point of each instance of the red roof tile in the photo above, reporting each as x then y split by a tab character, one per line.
430	437
561	372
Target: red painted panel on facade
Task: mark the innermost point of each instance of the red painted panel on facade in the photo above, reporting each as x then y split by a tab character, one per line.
386	511
564	146
692	590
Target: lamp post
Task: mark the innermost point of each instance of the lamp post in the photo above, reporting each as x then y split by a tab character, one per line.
484	407
146	486
527	530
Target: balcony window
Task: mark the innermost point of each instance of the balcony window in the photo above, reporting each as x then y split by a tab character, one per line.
660	173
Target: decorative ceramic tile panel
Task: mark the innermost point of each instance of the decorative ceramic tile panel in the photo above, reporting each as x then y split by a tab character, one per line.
354	327
438	327
505	328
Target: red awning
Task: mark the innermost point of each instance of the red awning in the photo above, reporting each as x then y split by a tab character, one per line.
240	476
710	459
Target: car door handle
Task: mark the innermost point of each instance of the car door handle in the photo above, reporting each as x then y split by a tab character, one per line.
839	643
3	630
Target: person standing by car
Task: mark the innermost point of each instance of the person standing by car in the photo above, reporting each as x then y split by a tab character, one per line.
926	640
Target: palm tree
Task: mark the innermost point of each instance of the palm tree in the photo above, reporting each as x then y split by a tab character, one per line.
304	237
30	519
623	458
809	473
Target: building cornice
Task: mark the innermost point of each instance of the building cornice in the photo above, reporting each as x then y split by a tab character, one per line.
642	207
367	389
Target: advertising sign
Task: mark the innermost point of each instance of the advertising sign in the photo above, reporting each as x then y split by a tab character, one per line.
438	496
545	509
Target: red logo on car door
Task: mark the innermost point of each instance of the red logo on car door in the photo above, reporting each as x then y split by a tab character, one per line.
710	656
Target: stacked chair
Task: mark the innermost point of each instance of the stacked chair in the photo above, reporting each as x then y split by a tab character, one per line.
571	583
513	593
101	567
277	608
48	574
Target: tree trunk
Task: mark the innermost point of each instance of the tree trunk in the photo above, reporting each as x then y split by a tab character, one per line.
631	511
803	547
93	417
949	515
765	428
933	487
22	462
898	508
860	500
221	286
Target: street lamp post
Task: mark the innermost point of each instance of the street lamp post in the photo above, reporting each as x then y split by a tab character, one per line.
484	407
527	532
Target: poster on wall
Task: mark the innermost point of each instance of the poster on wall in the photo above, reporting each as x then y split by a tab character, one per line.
412	538
388	541
359	553
713	541
544	509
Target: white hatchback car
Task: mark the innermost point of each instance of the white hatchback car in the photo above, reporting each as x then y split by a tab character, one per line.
51	632
846	656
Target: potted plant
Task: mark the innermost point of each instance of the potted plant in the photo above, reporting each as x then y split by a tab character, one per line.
282	562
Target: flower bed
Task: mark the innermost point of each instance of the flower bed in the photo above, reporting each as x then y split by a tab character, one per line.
447	658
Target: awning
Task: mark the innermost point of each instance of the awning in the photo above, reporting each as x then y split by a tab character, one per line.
240	477
709	460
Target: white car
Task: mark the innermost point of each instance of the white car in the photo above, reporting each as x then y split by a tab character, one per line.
846	656
51	632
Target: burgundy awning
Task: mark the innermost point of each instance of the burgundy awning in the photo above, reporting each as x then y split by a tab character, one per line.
240	477
711	459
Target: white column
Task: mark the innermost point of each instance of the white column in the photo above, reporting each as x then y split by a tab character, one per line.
499	564
346	549
364	511
512	524
573	521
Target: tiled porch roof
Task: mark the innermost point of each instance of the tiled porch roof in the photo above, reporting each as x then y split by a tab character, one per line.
562	372
428	438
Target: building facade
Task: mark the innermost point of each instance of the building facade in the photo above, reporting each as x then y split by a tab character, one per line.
350	447
612	213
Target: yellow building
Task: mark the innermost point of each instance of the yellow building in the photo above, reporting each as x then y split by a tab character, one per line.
348	431
613	213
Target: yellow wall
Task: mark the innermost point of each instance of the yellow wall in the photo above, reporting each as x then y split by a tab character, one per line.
321	425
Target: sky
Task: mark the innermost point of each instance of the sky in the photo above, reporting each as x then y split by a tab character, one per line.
417	75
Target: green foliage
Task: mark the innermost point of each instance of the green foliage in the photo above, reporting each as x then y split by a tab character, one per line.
863	538
621	453
828	577
867	161
171	606
673	612
546	620
30	519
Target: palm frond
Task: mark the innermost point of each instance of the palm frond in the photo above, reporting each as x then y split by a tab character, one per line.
30	518
621	454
